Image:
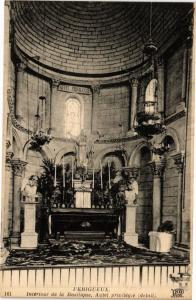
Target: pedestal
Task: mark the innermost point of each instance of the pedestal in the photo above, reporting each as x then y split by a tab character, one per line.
29	237
130	236
83	193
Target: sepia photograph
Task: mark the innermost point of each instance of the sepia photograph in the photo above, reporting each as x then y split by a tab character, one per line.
97	167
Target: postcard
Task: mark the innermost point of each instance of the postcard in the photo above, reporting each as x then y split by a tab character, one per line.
97	168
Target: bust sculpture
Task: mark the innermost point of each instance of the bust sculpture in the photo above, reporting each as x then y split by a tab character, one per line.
29	188
131	192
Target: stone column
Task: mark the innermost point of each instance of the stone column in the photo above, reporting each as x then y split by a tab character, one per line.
54	87
179	162
20	67
160	73
95	95
18	168
133	102
157	169
5	202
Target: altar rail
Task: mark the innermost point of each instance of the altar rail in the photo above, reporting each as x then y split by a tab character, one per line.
88	276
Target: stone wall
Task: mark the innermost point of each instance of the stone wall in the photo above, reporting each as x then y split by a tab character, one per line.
112	109
174	75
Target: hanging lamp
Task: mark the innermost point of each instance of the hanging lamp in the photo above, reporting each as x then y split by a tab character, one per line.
41	135
149	121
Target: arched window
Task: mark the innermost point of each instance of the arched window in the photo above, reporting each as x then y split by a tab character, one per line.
73	117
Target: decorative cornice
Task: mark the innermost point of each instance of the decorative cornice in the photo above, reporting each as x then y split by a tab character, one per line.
179	161
157	168
18	166
81	79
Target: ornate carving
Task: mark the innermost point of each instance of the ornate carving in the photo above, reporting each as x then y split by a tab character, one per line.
96	88
21	66
18	166
9	156
157	168
132	171
179	161
134	82
15	123
55	82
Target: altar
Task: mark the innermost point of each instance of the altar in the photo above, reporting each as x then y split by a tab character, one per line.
84	223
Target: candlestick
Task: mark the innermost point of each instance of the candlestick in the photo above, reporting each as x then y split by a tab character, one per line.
55	175
72	171
101	175
63	172
93	178
109	174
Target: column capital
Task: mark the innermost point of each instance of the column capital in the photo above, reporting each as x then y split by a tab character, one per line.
9	155
157	168
96	88
18	166
132	171
133	82
55	82
160	62
21	66
179	161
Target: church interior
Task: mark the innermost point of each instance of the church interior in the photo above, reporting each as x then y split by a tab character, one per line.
99	114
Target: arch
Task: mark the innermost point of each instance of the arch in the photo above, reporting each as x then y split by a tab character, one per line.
106	151
173	133
45	151
65	150
136	152
74	114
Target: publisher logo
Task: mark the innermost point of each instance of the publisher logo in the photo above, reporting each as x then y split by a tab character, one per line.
177	293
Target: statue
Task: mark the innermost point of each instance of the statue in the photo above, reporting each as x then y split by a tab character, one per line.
85	150
29	188
131	193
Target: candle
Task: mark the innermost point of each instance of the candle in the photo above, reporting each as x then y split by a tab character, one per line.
93	178
109	173
101	175
72	171
63	172
55	175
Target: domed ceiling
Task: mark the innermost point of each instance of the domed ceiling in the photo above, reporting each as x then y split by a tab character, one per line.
91	37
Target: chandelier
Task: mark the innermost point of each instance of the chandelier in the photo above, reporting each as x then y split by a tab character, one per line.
149	121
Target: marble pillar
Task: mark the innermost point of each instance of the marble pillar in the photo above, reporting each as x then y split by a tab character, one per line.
54	88
157	169
95	94
18	168
19	91
179	162
160	74
29	238
133	102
